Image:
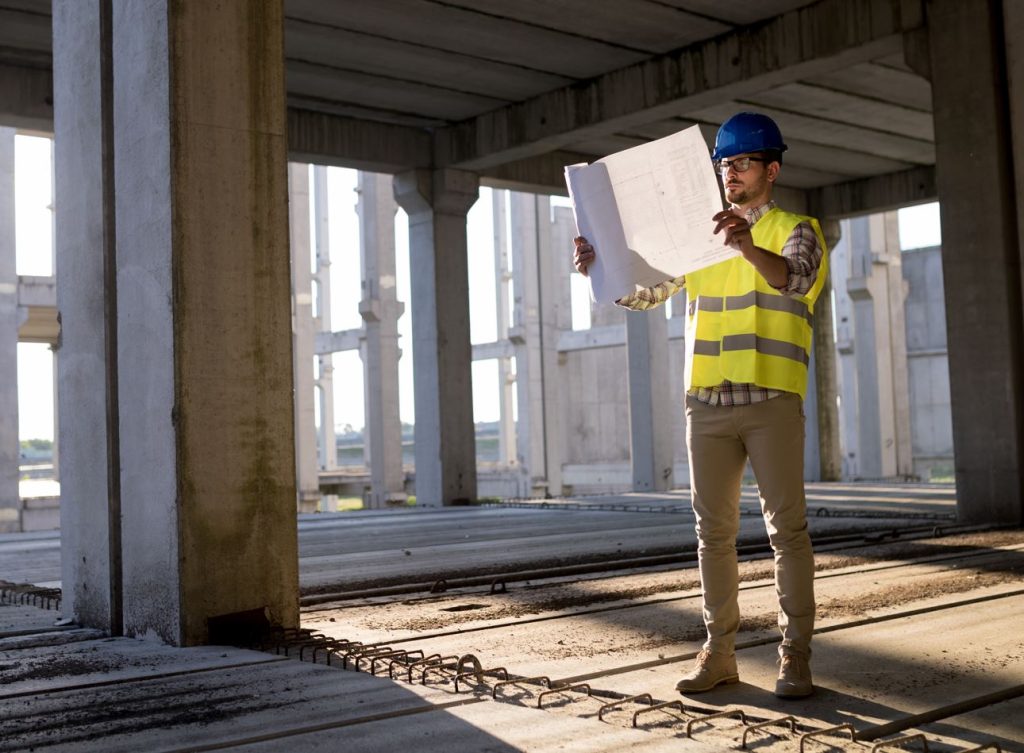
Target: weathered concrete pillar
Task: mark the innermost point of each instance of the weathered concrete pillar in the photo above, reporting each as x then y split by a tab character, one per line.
86	271
10	501
507	455
380	310
437	202
977	180
650	419
307	476
203	359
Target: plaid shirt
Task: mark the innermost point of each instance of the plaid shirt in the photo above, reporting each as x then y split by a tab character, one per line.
802	253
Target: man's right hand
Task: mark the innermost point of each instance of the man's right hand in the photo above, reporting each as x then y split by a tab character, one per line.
583	256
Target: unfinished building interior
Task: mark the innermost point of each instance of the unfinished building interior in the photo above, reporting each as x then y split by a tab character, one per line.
190	317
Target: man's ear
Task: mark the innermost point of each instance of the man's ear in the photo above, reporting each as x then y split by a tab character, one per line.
773	171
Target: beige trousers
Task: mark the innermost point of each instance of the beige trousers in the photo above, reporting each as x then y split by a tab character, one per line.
720	439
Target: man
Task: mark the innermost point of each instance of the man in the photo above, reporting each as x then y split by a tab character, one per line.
748	342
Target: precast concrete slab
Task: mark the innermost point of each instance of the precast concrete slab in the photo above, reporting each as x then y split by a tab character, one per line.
351	551
484	727
21	619
375	550
46	668
878	676
572	628
127	695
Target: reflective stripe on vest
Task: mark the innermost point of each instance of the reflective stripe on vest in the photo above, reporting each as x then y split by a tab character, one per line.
763	345
756	298
740	328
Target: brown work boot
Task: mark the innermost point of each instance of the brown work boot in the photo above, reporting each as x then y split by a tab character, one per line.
794	677
710	669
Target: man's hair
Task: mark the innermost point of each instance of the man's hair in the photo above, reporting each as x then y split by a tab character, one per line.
772	155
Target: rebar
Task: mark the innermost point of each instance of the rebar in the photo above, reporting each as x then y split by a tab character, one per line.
790	720
658	707
727	714
621	701
847	727
562	689
539	680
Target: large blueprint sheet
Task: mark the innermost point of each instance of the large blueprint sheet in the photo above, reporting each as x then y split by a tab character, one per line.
647	211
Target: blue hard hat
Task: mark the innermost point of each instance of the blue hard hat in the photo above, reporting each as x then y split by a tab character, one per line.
747	132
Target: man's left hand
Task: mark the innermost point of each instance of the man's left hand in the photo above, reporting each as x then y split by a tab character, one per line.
737	230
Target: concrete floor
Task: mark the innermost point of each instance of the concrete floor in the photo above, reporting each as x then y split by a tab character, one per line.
907	625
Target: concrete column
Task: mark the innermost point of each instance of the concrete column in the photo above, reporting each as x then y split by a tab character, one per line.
56	414
322	320
650	416
557	318
877	291
380	309
1013	29
825	430
307	476
204	358
846	373
977	180
87	353
10	498
53	346
538	302
525	335
507	455
437	202
897	378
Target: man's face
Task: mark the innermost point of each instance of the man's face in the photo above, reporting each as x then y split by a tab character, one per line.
752	186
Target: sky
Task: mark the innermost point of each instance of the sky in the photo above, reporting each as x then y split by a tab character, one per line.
919	227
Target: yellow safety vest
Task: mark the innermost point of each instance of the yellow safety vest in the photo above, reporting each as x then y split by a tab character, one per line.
739	328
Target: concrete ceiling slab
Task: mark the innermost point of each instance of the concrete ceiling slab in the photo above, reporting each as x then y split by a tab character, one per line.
501	87
644	25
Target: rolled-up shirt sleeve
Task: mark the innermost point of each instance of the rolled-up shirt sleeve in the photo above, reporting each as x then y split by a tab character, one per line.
802	253
652	297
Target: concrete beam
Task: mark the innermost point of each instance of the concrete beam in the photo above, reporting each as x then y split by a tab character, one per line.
26	97
35	290
544	173
325	343
326	139
37	310
26	101
605	336
823	37
878	194
497	349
